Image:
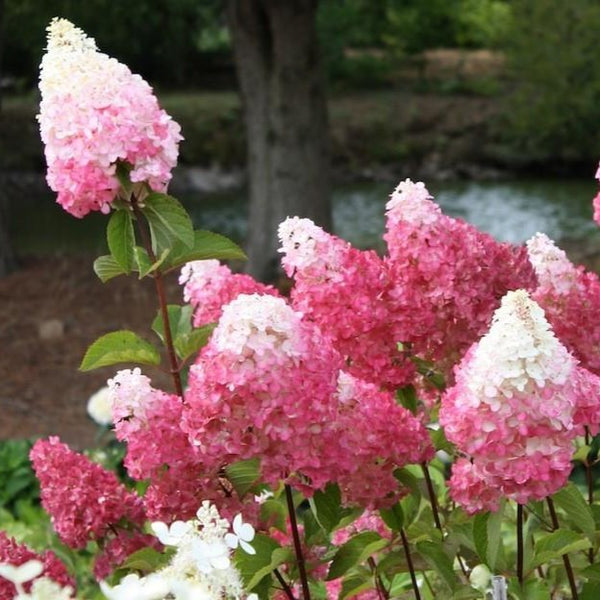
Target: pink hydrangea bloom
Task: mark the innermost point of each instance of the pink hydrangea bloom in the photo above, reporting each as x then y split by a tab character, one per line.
95	112
17	554
375	436
596	203
512	410
209	285
148	420
264	386
570	297
83	499
343	290
447	276
368	521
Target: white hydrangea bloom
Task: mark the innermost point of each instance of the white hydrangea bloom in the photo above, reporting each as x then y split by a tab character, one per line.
45	588
151	587
520	348
412	203
551	264
99	406
130	393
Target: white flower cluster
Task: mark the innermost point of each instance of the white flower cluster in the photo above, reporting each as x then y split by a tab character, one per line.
520	348
201	567
42	588
552	267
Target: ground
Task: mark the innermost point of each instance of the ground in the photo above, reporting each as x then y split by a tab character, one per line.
41	390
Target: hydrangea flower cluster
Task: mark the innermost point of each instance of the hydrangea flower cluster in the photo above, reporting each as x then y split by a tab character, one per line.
201	566
40	588
343	290
14	556
570	297
448	277
269	385
84	500
208	286
512	410
93	113
148	420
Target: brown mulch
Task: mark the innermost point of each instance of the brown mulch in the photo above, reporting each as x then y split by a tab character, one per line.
41	390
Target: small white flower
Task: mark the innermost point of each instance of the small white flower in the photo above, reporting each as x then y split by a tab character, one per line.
152	587
23	573
170	535
210	556
99	407
263	496
242	534
480	577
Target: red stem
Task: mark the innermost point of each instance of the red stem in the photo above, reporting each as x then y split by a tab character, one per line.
297	544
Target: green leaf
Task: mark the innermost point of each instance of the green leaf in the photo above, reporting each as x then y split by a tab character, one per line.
487	536
122	173
582	453
206	245
327	507
592	573
434	554
106	267
143	264
590	591
279	556
169	222
407	397
180	320
557	543
354	584
243	475
393	517
440	442
121	239
577	509
356	550
190	343
145	560
250	564
119	347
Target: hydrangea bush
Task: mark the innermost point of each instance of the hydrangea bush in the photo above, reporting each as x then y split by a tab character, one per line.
419	424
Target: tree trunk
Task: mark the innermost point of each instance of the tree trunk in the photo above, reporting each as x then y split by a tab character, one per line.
278	66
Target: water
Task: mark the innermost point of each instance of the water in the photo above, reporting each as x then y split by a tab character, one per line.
509	210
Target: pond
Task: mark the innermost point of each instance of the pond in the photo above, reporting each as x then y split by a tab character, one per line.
509	210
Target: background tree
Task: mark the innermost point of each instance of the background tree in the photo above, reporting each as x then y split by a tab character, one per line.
278	66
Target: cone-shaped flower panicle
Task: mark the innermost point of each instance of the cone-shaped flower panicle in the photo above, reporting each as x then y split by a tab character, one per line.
209	285
343	290
95	112
83	499
513	409
263	386
447	276
570	297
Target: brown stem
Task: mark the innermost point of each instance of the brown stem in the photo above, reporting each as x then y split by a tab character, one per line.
381	591
565	557
432	497
284	584
162	300
409	562
520	544
297	544
589	476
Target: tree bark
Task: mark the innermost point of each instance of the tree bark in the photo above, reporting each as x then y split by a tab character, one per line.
278	66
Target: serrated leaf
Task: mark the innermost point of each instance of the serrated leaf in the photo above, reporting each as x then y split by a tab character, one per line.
180	321
122	172
169	222
190	343
356	550
407	397
106	267
145	560
119	347
440	442
121	239
249	564
557	543
206	245
143	263
577	509
243	475
327	507
440	562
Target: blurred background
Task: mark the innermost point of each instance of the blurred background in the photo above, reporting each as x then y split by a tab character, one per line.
495	104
